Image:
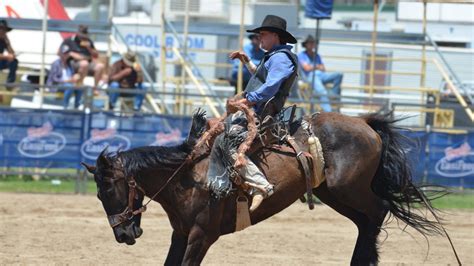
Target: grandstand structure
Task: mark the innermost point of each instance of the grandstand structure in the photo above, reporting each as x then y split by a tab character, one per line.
412	73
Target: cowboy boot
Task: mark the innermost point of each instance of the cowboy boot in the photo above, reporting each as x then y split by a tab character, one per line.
259	196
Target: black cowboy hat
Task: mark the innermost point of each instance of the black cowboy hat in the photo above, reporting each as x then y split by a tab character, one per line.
4	24
275	24
309	39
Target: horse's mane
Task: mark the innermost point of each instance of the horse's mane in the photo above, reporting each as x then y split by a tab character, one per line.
142	158
163	157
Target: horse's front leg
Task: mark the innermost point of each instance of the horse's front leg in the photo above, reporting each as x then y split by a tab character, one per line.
199	242
177	249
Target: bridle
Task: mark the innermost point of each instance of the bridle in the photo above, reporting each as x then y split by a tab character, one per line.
128	214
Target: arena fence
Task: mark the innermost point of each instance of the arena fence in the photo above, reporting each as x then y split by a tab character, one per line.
44	142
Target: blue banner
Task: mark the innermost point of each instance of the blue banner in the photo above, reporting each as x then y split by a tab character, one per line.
122	133
318	9
414	147
451	160
58	139
40	138
64	139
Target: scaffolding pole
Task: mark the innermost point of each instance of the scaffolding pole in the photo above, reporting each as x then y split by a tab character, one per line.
44	28
163	55
109	19
241	46
372	56
182	85
423	59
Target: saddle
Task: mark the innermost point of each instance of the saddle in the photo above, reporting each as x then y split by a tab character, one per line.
271	132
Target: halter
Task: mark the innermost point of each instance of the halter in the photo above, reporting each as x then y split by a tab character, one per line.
129	213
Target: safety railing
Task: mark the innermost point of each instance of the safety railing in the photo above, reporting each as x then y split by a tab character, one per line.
195	74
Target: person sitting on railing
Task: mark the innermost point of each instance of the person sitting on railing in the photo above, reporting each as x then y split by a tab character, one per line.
126	74
84	56
8	59
321	77
62	74
255	53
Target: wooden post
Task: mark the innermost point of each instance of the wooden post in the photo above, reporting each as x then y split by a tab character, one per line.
42	70
372	56
241	46
163	55
423	58
180	102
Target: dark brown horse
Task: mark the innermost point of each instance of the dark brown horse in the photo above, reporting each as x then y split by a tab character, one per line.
366	170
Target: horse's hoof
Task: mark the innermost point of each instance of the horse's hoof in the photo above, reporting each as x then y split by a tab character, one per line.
256	201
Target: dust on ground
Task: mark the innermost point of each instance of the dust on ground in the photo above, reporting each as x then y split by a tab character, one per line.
73	229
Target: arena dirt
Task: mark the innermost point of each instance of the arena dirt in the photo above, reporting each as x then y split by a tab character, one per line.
72	229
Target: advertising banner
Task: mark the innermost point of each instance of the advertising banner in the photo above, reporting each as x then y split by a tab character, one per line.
43	139
451	159
414	146
122	133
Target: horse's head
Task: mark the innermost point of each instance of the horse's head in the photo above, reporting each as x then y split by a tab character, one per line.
121	199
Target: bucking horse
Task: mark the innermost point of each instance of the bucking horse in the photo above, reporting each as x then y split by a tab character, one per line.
366	172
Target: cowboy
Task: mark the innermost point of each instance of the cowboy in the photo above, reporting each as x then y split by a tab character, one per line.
266	93
321	77
255	54
126	74
84	55
7	55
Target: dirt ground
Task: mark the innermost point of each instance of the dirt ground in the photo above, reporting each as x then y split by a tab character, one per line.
71	229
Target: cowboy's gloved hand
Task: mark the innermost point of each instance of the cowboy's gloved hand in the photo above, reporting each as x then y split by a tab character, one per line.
239	55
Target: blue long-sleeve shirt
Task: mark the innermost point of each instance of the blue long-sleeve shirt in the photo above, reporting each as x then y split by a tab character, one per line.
304	58
279	68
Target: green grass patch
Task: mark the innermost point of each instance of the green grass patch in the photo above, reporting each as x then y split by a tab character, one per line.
44	186
455	201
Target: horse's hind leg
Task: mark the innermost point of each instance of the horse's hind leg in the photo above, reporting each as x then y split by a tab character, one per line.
177	249
365	251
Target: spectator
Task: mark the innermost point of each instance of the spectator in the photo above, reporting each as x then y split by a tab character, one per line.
84	56
62	74
306	61
126	74
255	53
8	59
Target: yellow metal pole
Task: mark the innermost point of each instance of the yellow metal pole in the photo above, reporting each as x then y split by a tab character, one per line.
210	103
423	57
454	90
163	56
109	20
182	86
372	56
241	46
423	48
42	70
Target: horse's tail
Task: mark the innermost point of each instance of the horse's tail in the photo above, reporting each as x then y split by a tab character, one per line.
393	180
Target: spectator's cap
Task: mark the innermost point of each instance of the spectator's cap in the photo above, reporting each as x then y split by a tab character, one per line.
309	39
277	25
83	31
64	49
4	24
253	36
129	58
